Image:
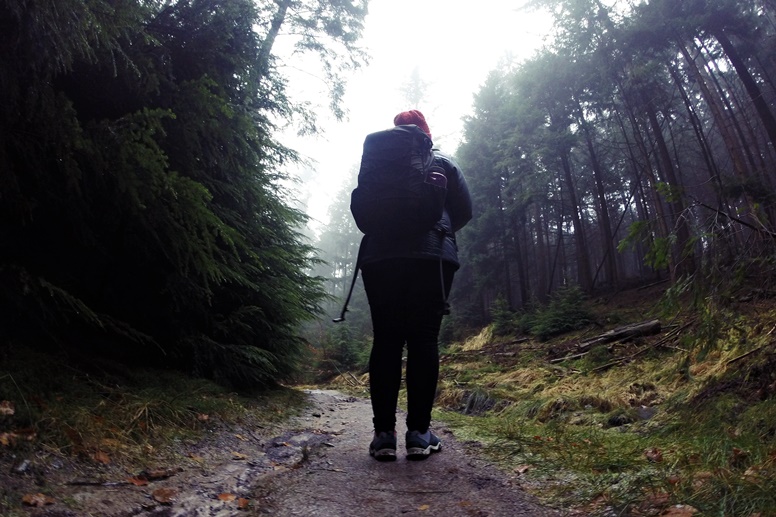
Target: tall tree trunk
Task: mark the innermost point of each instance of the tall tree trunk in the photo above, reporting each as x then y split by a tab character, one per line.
518	230
732	106
717	112
703	142
269	41
584	276
505	252
766	116
542	282
683	259
610	266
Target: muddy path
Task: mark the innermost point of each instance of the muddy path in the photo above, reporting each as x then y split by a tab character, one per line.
317	464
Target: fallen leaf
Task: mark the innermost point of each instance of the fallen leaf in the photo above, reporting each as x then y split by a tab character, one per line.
202	417
752	473
101	457
423	508
738	457
27	434
673	480
6	439
654	455
6	408
243	503
680	510
165	495
241	437
137	481
111	443
154	475
522	469
658	499
196	458
37	499
227	497
239	456
700	479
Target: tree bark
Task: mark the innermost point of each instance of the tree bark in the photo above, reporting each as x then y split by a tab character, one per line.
269	41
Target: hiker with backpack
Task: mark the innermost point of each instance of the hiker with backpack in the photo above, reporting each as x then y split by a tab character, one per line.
410	200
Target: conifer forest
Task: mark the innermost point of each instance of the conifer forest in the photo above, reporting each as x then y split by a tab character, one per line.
637	146
143	207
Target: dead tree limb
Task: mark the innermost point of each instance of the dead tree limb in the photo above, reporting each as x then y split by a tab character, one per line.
646	328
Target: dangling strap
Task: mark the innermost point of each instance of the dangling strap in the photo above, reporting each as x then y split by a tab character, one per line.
445	305
352	283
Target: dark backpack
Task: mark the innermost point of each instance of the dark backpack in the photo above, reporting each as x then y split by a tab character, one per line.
400	191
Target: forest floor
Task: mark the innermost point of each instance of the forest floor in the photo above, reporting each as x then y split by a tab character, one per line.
315	464
677	421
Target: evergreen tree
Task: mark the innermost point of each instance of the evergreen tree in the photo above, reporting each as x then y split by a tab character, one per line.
143	213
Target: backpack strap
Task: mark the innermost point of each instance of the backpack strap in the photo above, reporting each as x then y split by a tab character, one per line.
353	282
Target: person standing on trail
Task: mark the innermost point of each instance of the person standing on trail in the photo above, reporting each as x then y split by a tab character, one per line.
407	282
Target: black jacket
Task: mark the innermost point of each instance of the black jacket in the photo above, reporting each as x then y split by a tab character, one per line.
434	244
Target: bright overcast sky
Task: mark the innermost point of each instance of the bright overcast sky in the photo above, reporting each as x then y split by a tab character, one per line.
453	44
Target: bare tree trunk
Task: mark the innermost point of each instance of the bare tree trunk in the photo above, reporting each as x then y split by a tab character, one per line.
717	112
584	276
542	283
274	30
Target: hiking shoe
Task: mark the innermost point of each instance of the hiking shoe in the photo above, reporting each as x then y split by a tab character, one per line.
419	448
383	446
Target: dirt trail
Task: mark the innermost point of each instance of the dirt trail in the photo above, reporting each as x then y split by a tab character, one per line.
315	465
340	479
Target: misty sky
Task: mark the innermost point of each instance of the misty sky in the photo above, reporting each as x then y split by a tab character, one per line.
453	45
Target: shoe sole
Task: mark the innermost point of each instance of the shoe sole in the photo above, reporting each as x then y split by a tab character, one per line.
419	453
383	454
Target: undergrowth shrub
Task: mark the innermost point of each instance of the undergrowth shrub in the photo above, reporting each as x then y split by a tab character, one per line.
505	321
565	312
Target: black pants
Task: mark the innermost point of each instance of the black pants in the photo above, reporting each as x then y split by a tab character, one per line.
406	303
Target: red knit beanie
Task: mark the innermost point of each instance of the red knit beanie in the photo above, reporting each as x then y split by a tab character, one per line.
412	117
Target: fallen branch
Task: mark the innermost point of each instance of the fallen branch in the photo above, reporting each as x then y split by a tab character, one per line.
97	483
749	353
646	328
754	349
644	349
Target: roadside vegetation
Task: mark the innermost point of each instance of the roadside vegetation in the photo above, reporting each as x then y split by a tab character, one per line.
104	424
681	422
